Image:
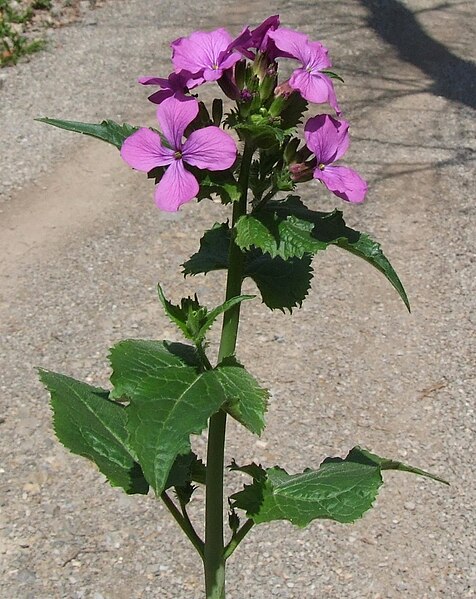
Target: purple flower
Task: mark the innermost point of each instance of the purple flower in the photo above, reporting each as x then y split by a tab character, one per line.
207	148
258	39
206	54
313	85
177	85
328	138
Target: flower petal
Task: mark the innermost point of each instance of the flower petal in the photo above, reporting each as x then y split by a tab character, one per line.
343	182
174	116
176	187
210	148
290	42
162	94
327	137
317	56
153	81
314	87
143	150
200	50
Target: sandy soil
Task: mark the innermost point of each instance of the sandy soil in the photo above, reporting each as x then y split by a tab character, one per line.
83	247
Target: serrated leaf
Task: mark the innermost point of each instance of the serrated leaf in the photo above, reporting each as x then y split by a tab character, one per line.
283	284
246	400
217	183
358	454
288	228
186	469
177	314
91	425
213	252
287	238
215	313
170	399
340	490
193	319
371	252
108	131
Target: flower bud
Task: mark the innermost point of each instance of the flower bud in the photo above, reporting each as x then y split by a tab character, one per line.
291	149
260	65
217	111
268	84
240	74
228	86
281	95
301	172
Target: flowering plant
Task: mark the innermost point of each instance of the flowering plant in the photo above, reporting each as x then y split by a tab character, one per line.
139	432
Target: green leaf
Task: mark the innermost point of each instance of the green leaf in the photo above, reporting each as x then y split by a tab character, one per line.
213	252
195	320
340	490
217	183
186	469
288	238
91	425
288	228
215	313
358	454
371	252
246	400
108	131
283	284
170	399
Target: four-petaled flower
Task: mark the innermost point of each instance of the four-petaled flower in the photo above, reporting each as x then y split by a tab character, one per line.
205	54
313	85
328	139
208	148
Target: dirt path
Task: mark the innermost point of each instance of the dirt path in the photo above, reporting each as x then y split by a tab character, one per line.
83	247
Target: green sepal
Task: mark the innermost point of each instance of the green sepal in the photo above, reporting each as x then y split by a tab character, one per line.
283	284
193	319
170	397
341	489
332	75
108	131
89	424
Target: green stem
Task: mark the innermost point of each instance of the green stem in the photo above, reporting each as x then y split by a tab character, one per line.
238	537
184	523
214	562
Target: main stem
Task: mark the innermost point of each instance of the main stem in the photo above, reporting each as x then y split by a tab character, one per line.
214	559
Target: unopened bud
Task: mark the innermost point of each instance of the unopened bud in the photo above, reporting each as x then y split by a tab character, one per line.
282	93
240	73
260	65
290	150
217	111
228	86
300	172
268	86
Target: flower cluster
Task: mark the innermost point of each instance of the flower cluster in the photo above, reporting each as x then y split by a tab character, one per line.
267	111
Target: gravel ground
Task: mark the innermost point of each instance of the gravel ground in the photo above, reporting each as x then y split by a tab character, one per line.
83	248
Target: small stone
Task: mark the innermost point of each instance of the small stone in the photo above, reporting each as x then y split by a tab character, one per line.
410	506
